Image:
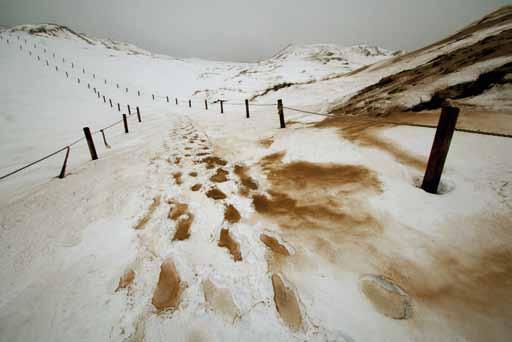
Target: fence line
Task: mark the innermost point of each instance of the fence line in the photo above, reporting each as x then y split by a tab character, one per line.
222	102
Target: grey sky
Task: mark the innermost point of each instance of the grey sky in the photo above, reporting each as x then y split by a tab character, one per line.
249	30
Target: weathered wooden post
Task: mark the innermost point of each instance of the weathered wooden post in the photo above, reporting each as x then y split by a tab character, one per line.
440	147
104	99
67	75
247	109
83	70
138	92
189	103
94	89
176	101
117	85
90	143
221	106
98	94
153	95
72	65
281	113
94	76
118	107
78	80
105	81
129	110
38	58
110	100
167	99
56	68
138	114
63	169
126	89
206	104
88	86
125	121
47	63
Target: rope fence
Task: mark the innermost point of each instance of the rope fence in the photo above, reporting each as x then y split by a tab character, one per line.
154	95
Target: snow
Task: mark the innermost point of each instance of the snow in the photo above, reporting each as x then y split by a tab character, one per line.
65	243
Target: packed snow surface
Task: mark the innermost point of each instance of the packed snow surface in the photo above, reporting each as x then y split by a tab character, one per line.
328	237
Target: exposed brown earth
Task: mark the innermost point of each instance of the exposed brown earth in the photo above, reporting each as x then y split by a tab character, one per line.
266	142
365	134
177	210
193	174
147	216
220	176
248	183
216	194
196	187
227	241
126	280
177	178
168	289
231	214
387	298
220	300
212	161
287	304
183	227
273	244
177	160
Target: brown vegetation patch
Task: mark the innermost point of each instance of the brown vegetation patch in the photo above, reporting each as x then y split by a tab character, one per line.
177	160
247	182
145	219
126	280
213	161
193	174
196	187
231	214
287	304
202	154
227	241
274	245
168	289
220	176
177	178
216	194
188	148
220	300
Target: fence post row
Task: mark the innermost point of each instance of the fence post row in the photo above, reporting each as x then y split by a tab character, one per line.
221	106
440	147
90	143
125	121
129	110
110	100
118	107
247	109
138	114
281	113
190	103
206	104
63	169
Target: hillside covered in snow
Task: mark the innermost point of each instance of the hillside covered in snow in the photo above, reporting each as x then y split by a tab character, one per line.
202	225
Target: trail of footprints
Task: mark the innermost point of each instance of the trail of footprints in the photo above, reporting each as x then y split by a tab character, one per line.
166	296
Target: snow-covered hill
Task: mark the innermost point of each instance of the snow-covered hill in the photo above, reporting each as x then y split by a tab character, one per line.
198	225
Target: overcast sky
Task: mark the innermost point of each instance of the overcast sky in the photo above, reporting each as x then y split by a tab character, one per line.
249	30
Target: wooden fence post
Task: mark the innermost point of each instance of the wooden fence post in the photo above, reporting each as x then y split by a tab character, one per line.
221	106
67	75
104	99
440	147
138	92
118	107
247	109
93	75
78	80
90	143
206	104
167	99
176	101
72	65
110	100
98	94
125	121
126	89
153	95
129	110
281	113
63	170
138	114
189	103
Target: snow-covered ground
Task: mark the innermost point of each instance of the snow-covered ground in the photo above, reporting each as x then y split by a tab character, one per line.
365	244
